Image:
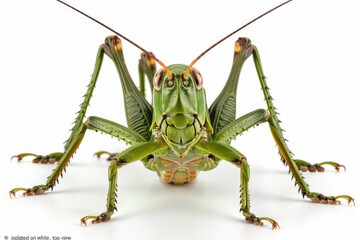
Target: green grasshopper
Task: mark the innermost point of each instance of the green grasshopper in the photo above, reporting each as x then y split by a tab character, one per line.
178	135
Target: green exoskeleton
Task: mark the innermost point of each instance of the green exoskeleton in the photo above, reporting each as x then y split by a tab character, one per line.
178	135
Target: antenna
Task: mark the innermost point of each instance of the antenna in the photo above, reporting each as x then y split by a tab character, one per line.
168	72
186	73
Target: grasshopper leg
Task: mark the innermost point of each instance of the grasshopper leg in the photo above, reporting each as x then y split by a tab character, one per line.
134	153
72	142
226	128
36	190
230	154
49	158
319	198
245	199
140	150
284	150
146	67
58	171
305	166
251	218
111	48
111	199
110	155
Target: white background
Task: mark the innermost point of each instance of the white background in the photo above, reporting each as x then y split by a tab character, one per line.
309	52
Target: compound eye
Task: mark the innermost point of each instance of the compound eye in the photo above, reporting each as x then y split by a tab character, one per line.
158	79
197	78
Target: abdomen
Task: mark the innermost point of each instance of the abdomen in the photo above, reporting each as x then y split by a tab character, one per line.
178	176
179	171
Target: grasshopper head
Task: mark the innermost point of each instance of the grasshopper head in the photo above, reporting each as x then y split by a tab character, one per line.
179	103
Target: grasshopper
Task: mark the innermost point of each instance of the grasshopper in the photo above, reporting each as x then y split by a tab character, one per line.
178	135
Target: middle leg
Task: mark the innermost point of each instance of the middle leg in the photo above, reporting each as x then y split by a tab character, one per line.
92	123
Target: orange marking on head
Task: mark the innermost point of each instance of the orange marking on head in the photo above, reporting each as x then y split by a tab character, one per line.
238	47
168	72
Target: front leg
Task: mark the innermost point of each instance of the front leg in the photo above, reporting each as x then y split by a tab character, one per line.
134	153
230	154
111	197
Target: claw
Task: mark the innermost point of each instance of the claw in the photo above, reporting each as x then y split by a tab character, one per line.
103	217
84	219
12	193
337	166
274	224
22	155
346	197
259	221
